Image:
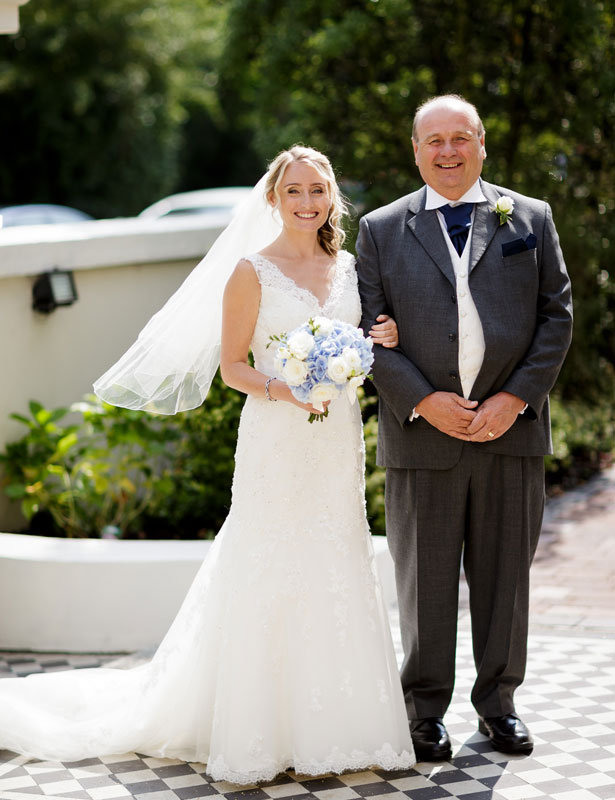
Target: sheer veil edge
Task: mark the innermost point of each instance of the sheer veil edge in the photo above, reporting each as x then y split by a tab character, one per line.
171	365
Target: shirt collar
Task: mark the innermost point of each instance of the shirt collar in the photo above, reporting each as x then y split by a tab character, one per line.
435	200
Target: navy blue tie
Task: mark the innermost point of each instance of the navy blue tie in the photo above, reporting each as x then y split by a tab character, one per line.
458	222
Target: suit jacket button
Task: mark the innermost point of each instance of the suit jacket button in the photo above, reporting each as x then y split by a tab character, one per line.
453	374
453	298
452	337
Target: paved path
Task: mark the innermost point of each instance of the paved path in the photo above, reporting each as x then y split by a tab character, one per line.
573	574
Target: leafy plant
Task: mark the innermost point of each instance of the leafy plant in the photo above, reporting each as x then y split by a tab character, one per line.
102	471
583	441
96	465
201	469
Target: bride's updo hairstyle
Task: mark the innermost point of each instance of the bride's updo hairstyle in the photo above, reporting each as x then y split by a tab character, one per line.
331	235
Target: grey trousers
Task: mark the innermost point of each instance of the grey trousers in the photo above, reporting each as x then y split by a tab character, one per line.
487	509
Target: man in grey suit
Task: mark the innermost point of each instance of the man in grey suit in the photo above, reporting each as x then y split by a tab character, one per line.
475	278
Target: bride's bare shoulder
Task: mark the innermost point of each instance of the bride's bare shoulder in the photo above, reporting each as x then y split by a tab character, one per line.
245	266
243	278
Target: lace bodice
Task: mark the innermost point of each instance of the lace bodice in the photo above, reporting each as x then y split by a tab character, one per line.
285	305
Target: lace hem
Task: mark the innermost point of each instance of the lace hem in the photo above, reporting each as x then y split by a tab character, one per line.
386	758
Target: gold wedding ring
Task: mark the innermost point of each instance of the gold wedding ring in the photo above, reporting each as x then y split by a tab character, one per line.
490	435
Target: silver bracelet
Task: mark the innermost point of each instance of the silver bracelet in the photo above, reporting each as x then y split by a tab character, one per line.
267	394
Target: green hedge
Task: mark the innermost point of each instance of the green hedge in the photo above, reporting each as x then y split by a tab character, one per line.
583	442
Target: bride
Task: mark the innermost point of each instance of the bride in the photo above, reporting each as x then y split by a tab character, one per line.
280	656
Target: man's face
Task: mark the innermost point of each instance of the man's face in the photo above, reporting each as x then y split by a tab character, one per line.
449	152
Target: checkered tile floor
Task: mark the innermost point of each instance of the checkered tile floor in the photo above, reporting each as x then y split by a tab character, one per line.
568	700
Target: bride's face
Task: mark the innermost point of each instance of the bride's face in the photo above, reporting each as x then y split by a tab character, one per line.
304	200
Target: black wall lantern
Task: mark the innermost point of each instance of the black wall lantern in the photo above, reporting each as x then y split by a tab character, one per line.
53	289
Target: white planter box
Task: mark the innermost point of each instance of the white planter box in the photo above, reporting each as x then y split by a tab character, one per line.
93	595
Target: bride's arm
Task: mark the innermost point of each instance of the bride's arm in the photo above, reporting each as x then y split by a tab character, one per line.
239	313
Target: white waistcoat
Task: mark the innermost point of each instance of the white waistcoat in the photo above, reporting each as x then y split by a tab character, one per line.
471	338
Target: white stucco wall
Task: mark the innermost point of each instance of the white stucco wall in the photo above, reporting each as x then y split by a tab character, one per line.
9	15
94	595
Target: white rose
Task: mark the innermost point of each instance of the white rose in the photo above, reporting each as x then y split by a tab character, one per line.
283	352
352	386
338	369
324	325
505	204
352	358
321	393
294	372
300	344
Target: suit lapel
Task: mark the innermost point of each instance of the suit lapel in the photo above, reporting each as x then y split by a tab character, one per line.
486	223
425	226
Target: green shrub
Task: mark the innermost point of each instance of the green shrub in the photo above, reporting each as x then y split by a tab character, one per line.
149	476
101	471
201	469
583	441
374	479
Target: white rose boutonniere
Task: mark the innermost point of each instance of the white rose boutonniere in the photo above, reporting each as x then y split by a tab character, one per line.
504	208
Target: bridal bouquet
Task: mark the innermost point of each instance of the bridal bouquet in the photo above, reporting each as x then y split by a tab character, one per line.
322	358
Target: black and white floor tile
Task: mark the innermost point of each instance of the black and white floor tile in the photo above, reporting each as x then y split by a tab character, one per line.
568	700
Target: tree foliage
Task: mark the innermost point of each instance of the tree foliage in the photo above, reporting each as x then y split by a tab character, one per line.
93	97
346	75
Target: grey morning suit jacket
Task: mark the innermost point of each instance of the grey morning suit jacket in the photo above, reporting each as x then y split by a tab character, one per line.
522	298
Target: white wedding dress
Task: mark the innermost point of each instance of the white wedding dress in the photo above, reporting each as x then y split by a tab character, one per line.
281	656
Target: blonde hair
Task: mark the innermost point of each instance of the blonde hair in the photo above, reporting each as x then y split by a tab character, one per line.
331	235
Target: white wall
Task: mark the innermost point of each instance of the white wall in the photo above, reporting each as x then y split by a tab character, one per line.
9	15
91	595
96	595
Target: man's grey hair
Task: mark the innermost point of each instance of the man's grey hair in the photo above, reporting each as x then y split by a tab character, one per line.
445	99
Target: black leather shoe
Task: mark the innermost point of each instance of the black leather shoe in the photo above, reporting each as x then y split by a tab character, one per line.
507	733
430	739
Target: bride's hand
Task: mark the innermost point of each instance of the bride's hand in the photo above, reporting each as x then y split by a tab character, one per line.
281	391
385	331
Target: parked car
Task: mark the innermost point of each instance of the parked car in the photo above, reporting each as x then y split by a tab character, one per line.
40	214
220	202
